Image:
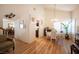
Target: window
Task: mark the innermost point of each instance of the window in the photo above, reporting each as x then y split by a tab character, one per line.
21	24
59	27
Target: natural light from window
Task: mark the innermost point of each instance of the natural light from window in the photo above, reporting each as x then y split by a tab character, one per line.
59	27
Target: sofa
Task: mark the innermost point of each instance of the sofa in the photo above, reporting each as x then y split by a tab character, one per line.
6	44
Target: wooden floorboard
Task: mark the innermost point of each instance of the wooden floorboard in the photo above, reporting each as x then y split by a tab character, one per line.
43	46
39	46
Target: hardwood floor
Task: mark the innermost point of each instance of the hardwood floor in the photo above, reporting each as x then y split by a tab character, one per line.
39	46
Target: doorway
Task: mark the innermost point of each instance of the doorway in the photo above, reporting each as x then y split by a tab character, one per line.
37	30
37	33
8	26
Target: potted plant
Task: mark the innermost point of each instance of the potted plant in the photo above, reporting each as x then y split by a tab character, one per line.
66	30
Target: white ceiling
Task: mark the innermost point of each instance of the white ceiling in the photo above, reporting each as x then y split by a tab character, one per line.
65	7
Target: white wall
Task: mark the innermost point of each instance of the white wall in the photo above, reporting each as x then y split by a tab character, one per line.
50	16
23	12
38	14
76	17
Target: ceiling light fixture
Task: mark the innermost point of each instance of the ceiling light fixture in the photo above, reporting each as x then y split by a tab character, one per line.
54	11
11	15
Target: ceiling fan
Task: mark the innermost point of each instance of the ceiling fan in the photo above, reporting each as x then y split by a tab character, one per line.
11	15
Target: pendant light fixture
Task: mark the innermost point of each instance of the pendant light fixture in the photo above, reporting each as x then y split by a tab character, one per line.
55	13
